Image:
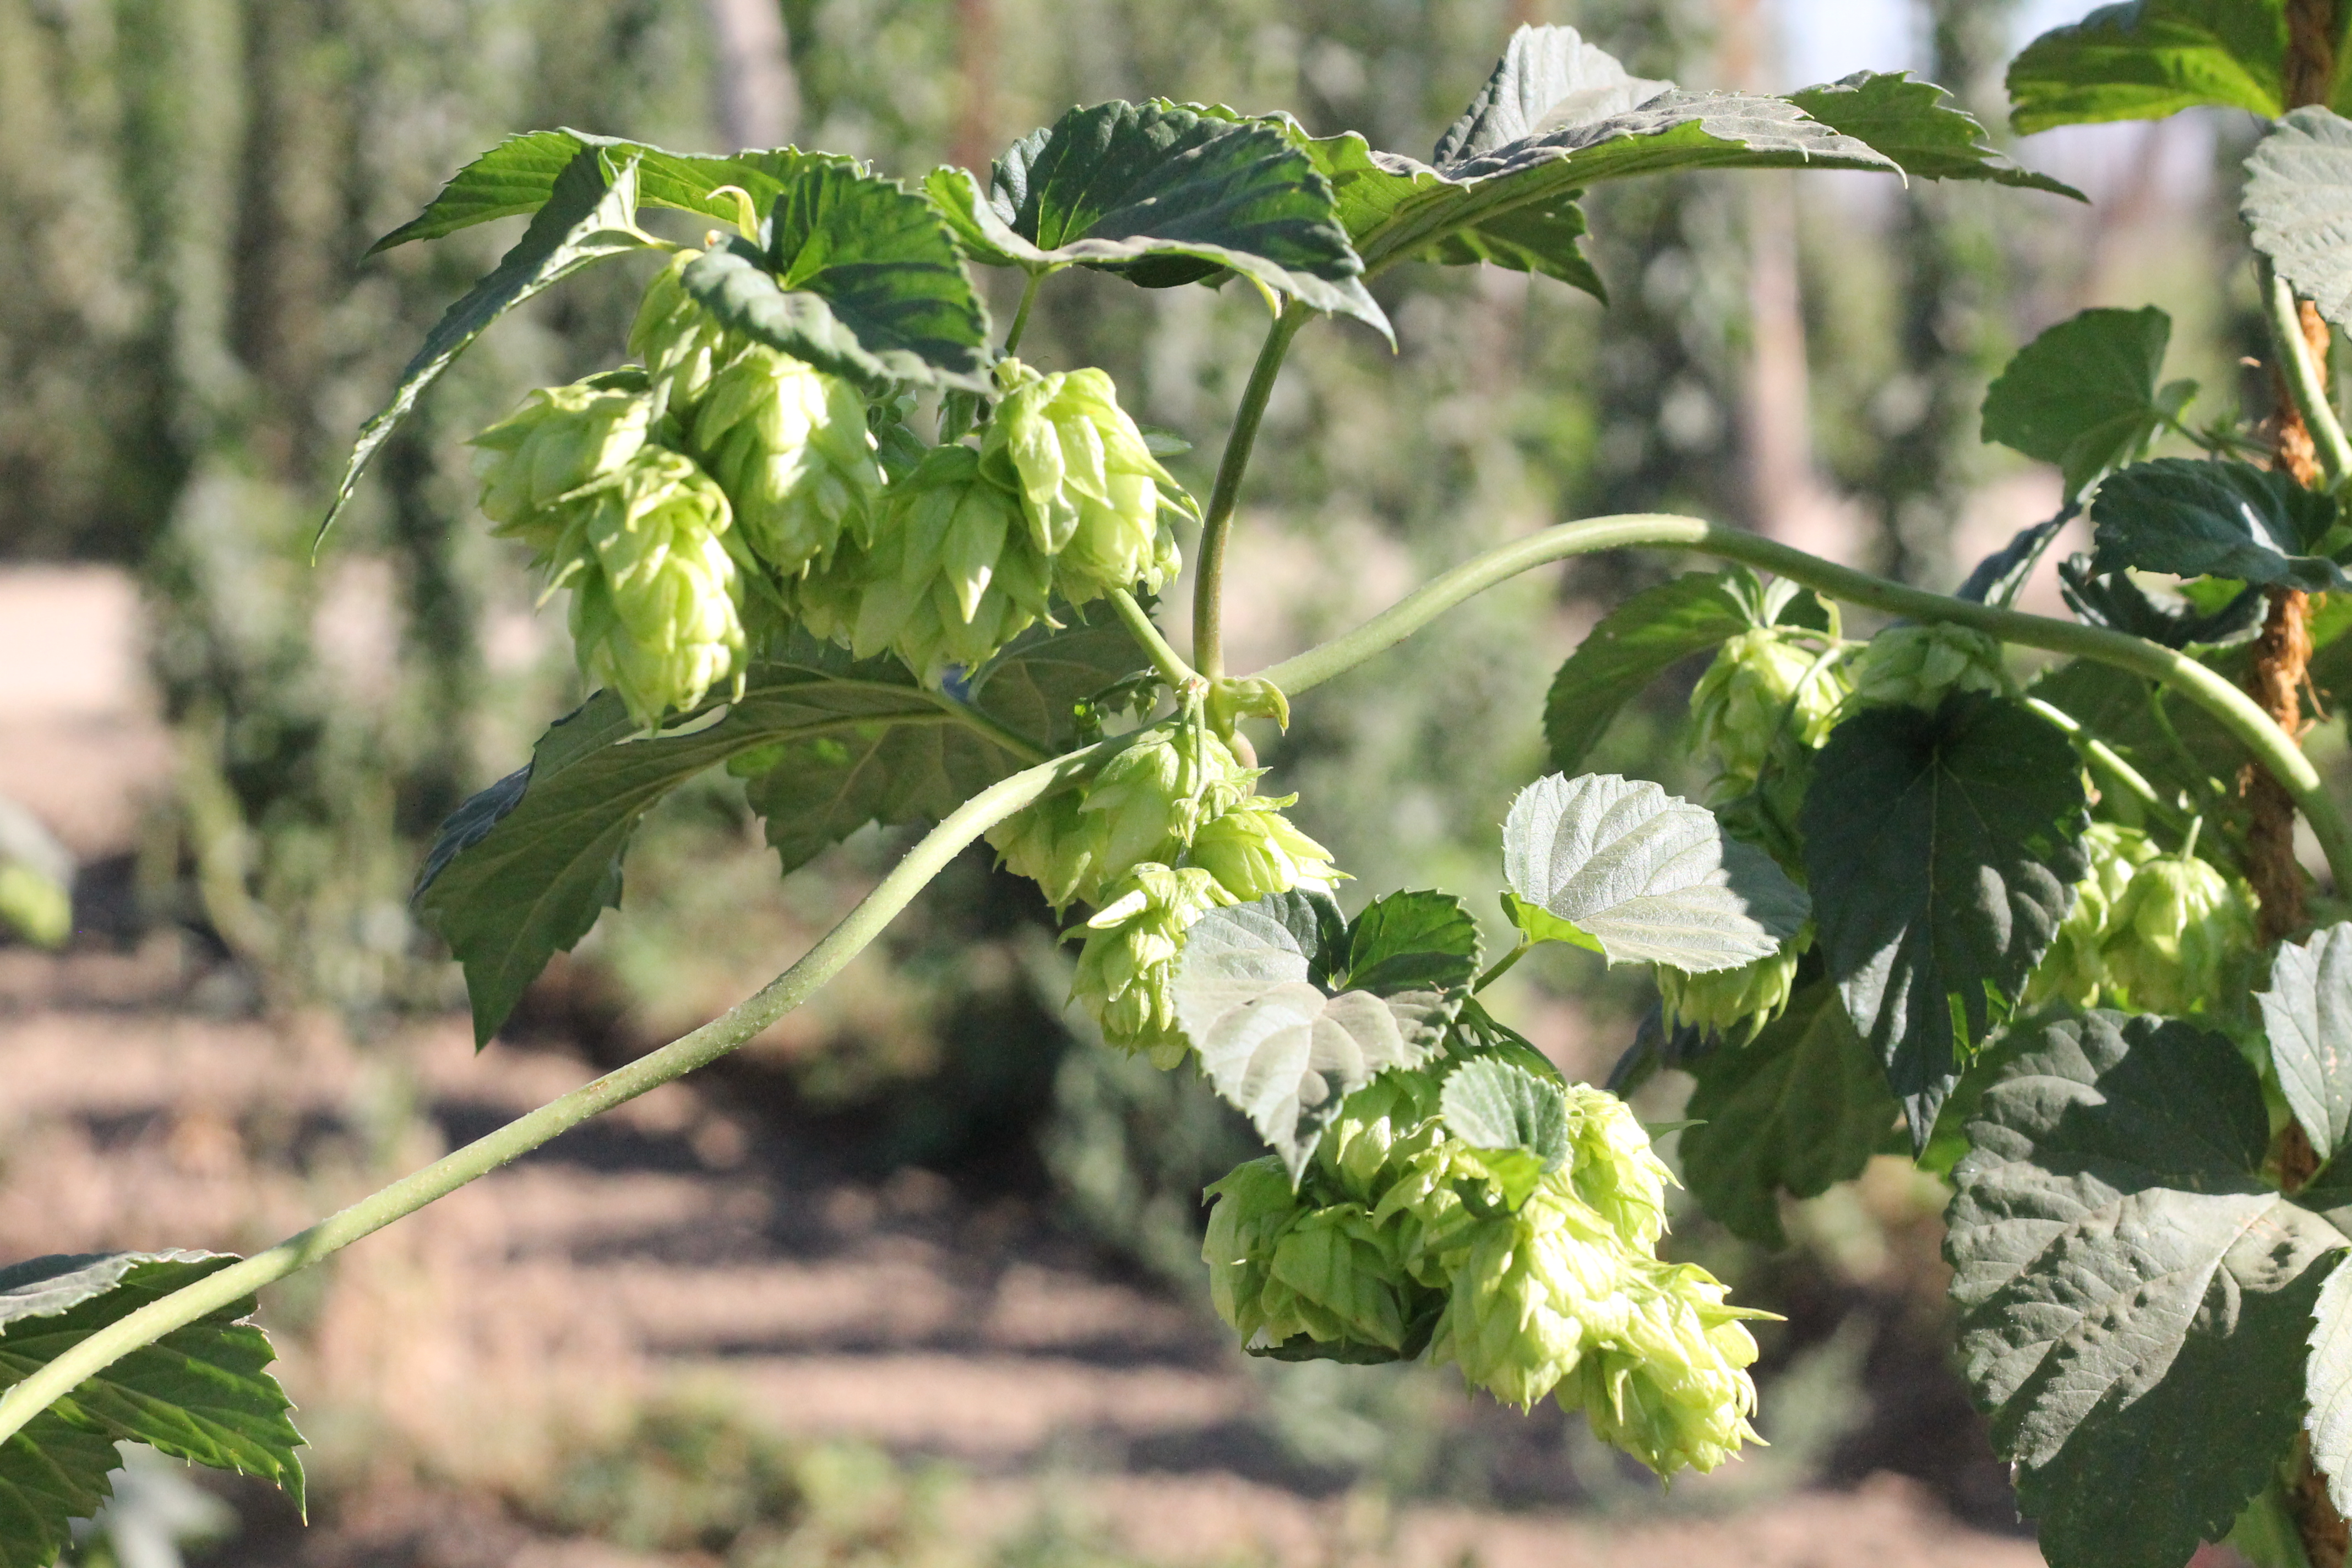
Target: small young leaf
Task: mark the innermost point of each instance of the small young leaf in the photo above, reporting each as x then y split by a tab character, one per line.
2307	1014
2146	59
1515	1119
589	215
2298	206
2112	599
1914	122
2135	1300
1273	1039
1798	1109
2197	518
1942	850
2083	393
1648	875
1411	941
2328	1385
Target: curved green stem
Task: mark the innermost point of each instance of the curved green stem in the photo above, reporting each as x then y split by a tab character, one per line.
1021	317
2108	761
2305	378
2237	712
708	1043
1209	587
1167	660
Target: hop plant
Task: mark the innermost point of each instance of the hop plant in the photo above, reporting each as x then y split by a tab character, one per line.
1252	850
1919	666
1127	970
790	446
561	438
654	591
1734	1004
1090	490
1673	1390
949	578
2181	939
1759	683
2073	970
682	346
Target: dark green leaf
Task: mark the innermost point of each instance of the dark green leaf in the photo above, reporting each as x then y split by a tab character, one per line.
2112	599
1515	1119
2307	1014
856	276
2196	519
1273	1038
1166	194
201	1392
1640	640
1996	579
1798	1109
2151	59
2135	1300
2181	753
1647	876
1036	685
50	1475
2298	206
1411	941
1942	850
519	175
1914	123
589	215
2083	393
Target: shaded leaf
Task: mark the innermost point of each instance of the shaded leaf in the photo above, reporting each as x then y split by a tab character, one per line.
1798	1109
2298	206
588	216
2112	599
1649	877
1411	941
2083	393
2182	754
2307	1014
2135	1301
2196	519
2150	59
1942	850
1996	579
50	1475
1914	123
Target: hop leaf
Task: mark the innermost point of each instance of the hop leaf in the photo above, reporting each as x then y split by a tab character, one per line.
2181	939
1127	968
1917	666
561	438
1090	489
1760	683
1734	1004
790	446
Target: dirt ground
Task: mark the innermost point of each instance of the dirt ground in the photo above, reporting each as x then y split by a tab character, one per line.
681	1246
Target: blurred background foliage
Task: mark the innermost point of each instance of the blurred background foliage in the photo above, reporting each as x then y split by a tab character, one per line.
189	339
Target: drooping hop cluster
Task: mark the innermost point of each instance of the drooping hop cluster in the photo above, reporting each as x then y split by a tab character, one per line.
1733	1004
1163	830
1401	1237
2151	933
1918	666
637	532
2073	970
1088	484
1761	687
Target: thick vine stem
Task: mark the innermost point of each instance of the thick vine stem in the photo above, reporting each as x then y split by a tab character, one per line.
2253	728
2303	376
1165	659
1209	587
723	1033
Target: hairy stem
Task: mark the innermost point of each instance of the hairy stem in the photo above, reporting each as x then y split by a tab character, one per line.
708	1043
1209	587
1167	660
2303	374
2253	728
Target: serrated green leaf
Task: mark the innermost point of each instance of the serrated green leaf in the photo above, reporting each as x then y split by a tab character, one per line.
2135	1301
2146	59
50	1475
507	891
1648	875
1411	941
1547	77
2327	1386
201	1392
2307	1014
1798	1109
1517	1120
518	175
589	216
2298	206
1942	850
2112	599
1641	639
2083	393
1914	123
1273	1038
2197	518
856	276
1035	684
1163	194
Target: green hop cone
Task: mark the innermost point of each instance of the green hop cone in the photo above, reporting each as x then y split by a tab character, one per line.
1919	666
1253	850
1054	845
1127	970
2181	939
1254	1207
681	345
2073	970
1671	1385
950	577
561	438
1333	1278
1522	1292
1734	1004
1090	489
653	610
1612	1168
790	446
1759	682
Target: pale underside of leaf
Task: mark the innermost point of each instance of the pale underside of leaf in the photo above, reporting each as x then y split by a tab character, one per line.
2298	206
2328	1385
2307	1014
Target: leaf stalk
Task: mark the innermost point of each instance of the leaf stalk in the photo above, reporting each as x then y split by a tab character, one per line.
1209	587
1164	659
